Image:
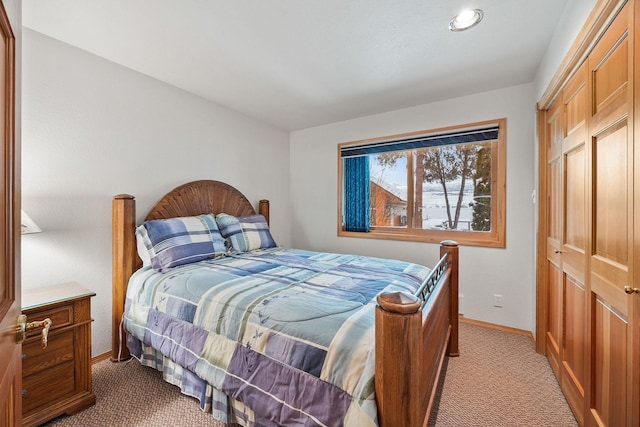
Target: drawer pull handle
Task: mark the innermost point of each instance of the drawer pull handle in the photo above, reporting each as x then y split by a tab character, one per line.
45	332
630	290
24	392
24	356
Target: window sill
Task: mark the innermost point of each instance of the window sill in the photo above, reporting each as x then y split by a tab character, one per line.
466	238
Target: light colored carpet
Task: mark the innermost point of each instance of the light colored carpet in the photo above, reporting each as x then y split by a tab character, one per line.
129	394
498	380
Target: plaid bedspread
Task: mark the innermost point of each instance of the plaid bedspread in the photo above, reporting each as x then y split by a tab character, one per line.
289	333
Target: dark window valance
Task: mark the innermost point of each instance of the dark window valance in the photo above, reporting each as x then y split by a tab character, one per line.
422	141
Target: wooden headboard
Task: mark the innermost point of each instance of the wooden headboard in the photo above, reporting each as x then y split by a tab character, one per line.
202	197
193	198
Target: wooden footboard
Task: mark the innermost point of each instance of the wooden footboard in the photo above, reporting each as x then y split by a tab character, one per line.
413	335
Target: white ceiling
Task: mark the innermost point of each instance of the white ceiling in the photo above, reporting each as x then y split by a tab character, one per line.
302	63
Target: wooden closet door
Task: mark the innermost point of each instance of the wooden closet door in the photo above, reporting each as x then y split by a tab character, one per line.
574	241
611	222
554	289
634	348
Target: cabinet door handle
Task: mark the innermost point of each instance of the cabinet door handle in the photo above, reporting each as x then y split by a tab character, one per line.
557	251
629	290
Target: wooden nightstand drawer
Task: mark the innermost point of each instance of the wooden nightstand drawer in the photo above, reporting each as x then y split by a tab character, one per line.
57	379
60	317
59	350
48	386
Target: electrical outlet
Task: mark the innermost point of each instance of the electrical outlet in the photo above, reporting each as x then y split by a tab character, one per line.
497	300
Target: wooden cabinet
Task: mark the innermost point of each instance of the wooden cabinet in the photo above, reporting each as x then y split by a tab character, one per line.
57	379
589	254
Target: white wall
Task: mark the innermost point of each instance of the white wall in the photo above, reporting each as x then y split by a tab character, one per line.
572	20
484	272
93	129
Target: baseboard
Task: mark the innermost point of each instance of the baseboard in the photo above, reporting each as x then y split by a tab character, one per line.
498	327
100	357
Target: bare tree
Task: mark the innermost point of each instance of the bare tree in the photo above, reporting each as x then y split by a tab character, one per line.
446	164
443	165
482	190
417	201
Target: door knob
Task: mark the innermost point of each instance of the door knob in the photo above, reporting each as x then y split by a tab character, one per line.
630	290
22	328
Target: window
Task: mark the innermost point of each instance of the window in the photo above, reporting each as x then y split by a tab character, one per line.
426	186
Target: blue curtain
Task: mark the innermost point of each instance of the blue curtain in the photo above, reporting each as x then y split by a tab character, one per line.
356	194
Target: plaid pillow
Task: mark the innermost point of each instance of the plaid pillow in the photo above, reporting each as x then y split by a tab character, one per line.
246	233
178	241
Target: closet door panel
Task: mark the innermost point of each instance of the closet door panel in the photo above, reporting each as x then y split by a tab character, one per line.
611	75
611	224
575	217
610	365
634	299
555	287
575	331
555	313
573	354
573	248
574	240
555	126
554	179
611	189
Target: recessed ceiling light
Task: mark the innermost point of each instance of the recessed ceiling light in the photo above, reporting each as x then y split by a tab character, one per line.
466	19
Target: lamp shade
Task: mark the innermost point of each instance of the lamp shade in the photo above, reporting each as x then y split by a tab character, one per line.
28	226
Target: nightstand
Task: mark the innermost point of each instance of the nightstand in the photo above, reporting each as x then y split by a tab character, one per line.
57	379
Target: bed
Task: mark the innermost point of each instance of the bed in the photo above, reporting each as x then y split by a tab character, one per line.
268	349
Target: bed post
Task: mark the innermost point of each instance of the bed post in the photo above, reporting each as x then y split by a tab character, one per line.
450	247
412	339
263	209
398	339
124	264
